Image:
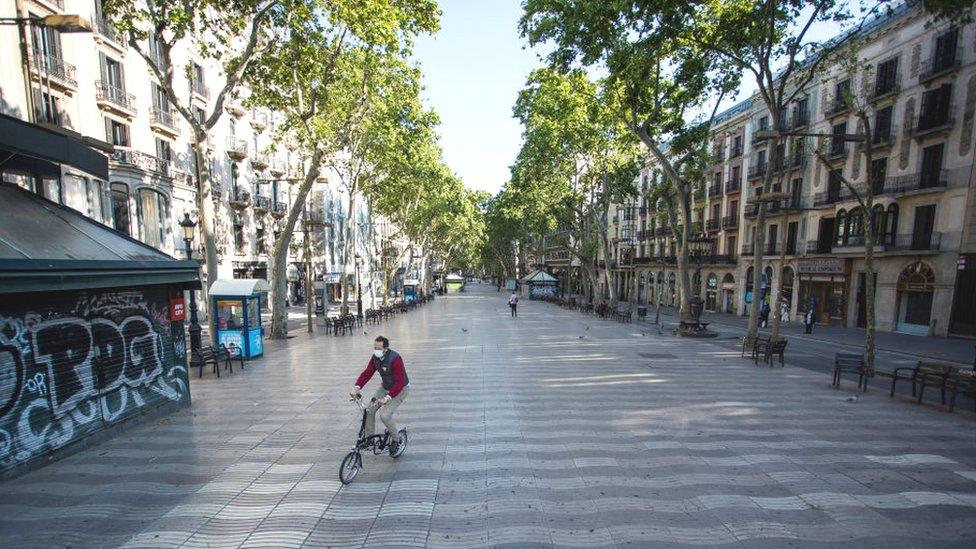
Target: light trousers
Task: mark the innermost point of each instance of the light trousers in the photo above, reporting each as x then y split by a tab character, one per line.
386	412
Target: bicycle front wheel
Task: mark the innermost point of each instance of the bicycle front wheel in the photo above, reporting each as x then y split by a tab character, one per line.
351	464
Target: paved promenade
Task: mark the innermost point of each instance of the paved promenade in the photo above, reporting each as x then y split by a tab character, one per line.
555	429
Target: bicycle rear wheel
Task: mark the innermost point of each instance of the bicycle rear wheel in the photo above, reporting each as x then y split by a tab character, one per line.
351	464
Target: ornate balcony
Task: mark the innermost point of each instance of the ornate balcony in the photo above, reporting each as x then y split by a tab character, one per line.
236	148
279	209
836	108
715	189
259	162
115	99
259	120
54	70
730	222
939	66
934	121
163	121
142	161
278	168
104	31
712	225
200	89
733	186
757	171
261	204
239	198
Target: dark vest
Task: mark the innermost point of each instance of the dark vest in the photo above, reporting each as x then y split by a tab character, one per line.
385	368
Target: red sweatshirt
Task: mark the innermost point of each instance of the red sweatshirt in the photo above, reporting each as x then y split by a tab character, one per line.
399	376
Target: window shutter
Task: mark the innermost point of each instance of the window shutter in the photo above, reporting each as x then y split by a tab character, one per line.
54	43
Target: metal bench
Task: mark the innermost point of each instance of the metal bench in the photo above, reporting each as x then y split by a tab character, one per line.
211	355
768	350
851	363
921	375
961	381
752	344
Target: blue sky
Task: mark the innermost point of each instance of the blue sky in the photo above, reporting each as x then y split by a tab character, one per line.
473	69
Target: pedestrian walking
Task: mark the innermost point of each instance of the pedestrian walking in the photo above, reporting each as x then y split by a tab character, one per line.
513	304
808	321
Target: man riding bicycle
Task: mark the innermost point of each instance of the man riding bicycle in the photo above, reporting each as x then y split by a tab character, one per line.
391	393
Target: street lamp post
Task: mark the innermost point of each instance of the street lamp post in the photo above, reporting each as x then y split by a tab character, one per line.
359	288
698	246
189	228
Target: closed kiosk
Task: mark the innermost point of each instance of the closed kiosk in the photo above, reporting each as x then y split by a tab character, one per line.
236	308
453	283
410	286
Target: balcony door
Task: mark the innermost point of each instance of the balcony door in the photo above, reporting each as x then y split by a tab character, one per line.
931	166
825	237
833	186
924	225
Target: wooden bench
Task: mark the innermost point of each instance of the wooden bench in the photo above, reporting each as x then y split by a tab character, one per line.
852	363
768	350
921	375
210	355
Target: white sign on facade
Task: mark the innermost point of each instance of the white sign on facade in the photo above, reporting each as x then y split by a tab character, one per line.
824	265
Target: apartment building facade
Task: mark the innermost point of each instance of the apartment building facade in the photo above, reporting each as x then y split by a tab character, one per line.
94	86
918	82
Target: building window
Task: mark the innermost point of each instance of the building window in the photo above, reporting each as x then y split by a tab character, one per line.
74	191
260	236
238	233
120	207
152	217
931	172
935	107
837	142
882	125
164	151
879	171
50	110
842	92
887	78
116	133
840	226
101	210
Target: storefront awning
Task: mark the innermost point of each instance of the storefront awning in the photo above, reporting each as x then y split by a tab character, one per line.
29	143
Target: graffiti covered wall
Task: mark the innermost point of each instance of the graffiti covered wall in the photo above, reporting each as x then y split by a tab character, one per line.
74	363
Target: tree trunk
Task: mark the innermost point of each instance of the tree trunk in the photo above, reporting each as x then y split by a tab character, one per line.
684	273
279	257
659	289
206	222
778	276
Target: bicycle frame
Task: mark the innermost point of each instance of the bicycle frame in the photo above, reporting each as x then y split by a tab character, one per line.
364	442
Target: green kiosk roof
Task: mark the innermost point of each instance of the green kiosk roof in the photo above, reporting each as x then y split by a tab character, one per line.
45	246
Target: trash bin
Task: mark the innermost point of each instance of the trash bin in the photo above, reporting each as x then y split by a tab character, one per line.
236	308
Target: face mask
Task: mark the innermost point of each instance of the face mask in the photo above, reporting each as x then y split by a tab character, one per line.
378	353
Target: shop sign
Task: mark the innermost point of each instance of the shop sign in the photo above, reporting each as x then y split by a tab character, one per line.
411	282
177	309
333	278
824	265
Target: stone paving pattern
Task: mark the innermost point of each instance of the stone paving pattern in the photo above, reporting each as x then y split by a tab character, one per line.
555	429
